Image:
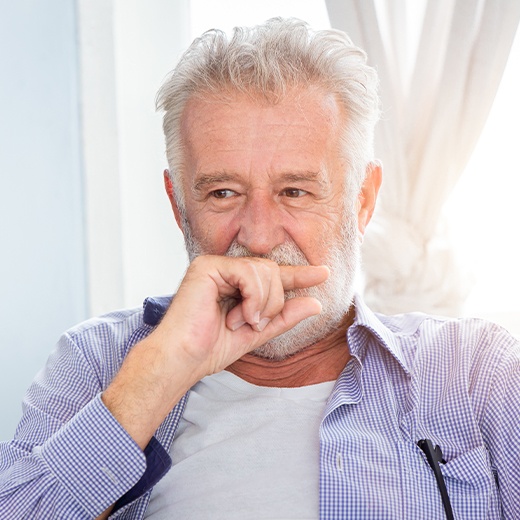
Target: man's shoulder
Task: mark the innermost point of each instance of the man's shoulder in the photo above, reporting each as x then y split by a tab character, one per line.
99	345
122	322
415	336
441	342
453	330
109	337
117	322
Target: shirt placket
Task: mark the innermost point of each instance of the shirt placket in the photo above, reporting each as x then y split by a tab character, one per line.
360	466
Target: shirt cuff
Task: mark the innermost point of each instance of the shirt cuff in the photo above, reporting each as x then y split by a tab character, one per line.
94	458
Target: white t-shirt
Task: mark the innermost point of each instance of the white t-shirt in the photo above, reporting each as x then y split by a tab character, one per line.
244	452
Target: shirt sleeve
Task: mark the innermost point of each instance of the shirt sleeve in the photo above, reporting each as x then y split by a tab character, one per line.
69	458
501	425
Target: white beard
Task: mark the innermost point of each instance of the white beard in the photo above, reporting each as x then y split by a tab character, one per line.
335	294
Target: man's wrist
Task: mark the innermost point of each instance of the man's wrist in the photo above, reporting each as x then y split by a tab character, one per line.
152	380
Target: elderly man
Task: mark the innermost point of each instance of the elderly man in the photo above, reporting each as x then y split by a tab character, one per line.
264	389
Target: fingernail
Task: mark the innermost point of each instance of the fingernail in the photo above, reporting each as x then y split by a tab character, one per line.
262	324
256	317
236	325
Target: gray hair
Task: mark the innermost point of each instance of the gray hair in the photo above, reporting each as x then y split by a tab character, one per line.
267	61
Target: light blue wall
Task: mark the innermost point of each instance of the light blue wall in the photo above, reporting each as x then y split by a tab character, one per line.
42	266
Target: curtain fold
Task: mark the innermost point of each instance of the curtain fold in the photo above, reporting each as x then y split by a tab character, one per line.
432	118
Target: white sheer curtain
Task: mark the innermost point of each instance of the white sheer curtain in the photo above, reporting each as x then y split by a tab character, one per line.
433	113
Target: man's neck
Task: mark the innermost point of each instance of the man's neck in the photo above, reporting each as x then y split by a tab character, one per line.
323	361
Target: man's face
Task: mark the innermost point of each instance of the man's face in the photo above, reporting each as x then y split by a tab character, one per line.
270	180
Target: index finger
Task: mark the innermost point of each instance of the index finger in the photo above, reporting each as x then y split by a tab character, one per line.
302	276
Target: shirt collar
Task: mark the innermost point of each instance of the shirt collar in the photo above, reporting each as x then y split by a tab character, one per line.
154	308
366	320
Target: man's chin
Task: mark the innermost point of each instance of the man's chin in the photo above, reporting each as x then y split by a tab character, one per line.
302	336
273	351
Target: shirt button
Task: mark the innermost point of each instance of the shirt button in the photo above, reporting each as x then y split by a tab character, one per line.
339	461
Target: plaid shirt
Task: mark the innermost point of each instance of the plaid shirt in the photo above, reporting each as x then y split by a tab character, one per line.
410	377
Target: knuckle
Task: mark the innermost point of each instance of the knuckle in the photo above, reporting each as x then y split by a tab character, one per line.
263	266
270	267
250	265
272	264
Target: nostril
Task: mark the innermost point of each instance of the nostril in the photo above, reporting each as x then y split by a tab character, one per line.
260	241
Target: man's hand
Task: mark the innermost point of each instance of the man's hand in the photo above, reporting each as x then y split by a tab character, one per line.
224	308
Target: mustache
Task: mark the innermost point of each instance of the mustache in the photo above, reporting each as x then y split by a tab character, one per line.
284	254
287	253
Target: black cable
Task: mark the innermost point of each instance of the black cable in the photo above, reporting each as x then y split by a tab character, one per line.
434	457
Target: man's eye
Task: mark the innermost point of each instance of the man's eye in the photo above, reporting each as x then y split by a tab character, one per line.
222	194
293	192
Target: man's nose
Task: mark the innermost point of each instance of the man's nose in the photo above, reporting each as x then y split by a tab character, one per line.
261	227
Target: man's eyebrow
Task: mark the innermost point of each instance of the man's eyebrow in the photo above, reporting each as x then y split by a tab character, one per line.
208	179
212	178
315	176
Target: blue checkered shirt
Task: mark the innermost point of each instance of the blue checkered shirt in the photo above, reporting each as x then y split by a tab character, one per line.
410	377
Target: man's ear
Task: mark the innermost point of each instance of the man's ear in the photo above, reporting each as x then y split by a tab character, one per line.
368	194
171	195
